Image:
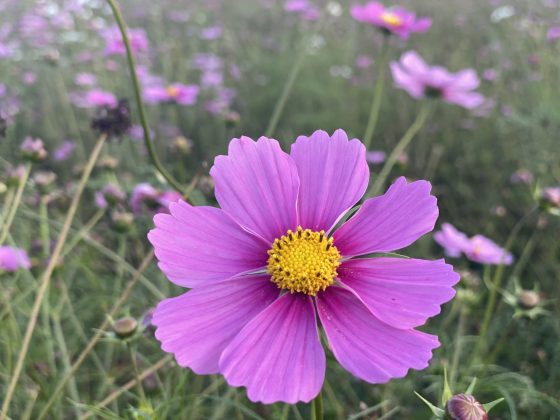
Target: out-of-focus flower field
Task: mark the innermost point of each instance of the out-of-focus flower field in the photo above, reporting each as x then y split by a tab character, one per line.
463	94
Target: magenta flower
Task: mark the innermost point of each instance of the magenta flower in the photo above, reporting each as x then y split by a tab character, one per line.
263	265
144	196
176	92
412	74
376	157
33	149
479	248
553	33
64	151
551	196
94	98
85	79
114	44
394	20
12	259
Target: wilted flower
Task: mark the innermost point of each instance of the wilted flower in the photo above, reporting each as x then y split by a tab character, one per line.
394	20
12	259
33	149
478	248
262	265
112	120
64	151
176	92
419	80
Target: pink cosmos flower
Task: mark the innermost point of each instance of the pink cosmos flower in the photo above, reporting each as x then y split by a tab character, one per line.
114	44
264	264
94	98
479	248
12	259
551	195
176	92
395	20
412	74
553	33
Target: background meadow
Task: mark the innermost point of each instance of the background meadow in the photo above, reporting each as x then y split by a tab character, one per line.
257	67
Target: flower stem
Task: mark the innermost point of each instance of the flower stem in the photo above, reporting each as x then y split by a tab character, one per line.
139	386
138	96
15	204
46	277
317	409
377	95
281	103
399	148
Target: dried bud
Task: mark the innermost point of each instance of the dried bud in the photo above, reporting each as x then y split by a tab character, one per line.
125	327
33	149
112	121
465	407
528	299
182	144
122	221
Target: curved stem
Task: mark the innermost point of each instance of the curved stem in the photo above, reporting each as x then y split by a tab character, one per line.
377	96
286	90
317	413
399	148
138	96
45	279
15	204
496	282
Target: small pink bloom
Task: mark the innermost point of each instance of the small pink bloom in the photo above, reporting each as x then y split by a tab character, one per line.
413	75
395	20
94	98
551	195
478	248
522	176
64	151
176	92
114	44
12	259
553	33
85	79
375	157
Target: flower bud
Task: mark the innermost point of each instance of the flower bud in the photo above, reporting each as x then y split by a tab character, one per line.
465	407
125	327
33	149
528	299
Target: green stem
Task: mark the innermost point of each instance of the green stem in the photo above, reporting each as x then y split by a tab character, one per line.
46	277
458	349
286	90
139	386
398	150
138	96
496	282
317	413
377	96
15	204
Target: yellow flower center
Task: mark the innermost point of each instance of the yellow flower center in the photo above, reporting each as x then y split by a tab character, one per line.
172	91
391	18
303	261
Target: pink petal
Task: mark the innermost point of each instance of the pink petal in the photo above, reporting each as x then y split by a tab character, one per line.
198	325
421	25
334	175
195	245
401	292
412	84
278	355
367	347
389	222
257	184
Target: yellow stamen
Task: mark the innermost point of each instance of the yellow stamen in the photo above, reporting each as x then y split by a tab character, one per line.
303	261
391	18
172	91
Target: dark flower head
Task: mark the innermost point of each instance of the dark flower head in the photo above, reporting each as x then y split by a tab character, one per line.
112	120
3	126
